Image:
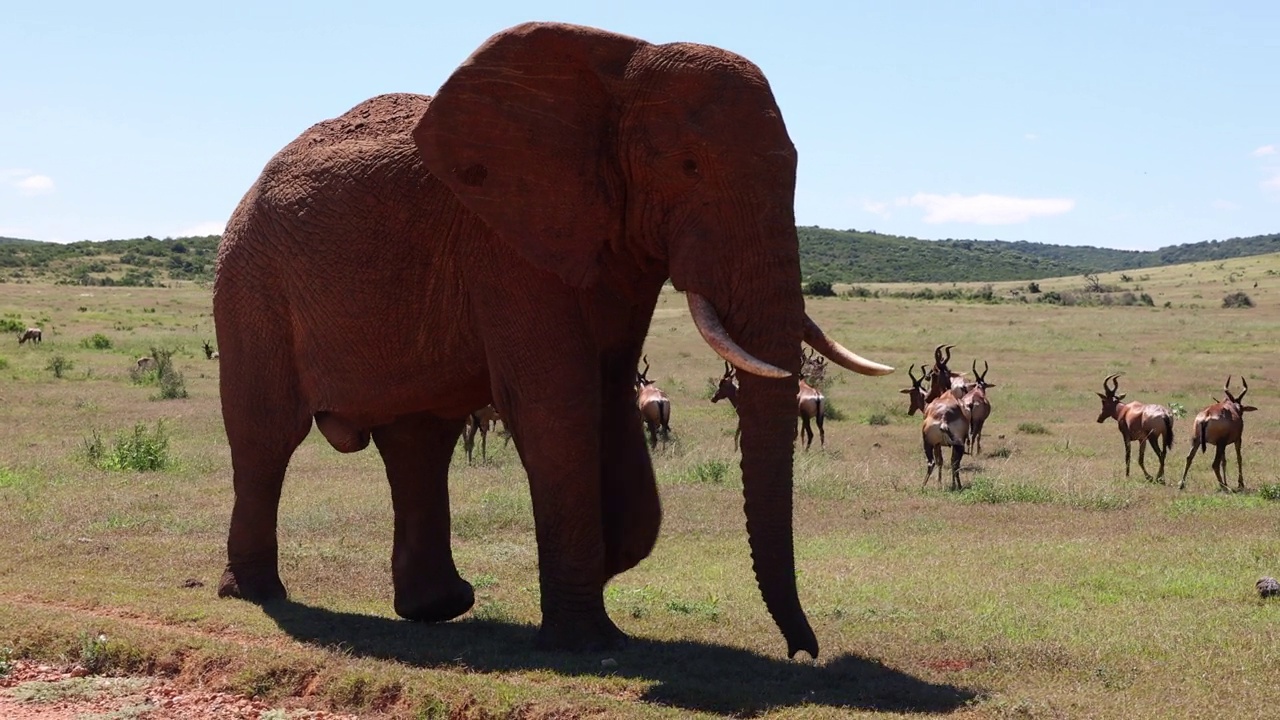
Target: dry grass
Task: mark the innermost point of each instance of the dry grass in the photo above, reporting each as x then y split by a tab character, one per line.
1052	587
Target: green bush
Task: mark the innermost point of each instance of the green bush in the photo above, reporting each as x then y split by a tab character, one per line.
143	450
11	325
819	288
984	490
60	365
1237	300
1269	491
97	342
163	374
711	471
1032	428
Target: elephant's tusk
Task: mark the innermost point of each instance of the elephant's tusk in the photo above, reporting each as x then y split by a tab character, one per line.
838	353
708	323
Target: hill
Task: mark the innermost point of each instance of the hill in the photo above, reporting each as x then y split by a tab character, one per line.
842	256
853	256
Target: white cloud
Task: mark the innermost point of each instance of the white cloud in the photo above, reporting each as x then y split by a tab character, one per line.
1031	136
1265	150
26	182
1225	205
1272	184
875	207
202	229
33	185
985	209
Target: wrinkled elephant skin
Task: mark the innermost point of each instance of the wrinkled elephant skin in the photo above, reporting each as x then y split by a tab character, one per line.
415	259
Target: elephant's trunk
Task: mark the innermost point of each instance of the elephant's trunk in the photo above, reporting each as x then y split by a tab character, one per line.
768	419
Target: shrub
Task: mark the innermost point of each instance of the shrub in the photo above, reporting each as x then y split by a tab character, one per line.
97	342
878	418
1033	287
859	292
11	325
711	471
1237	300
984	490
143	450
1269	491
162	373
4	363
1032	428
819	288
59	365
830	411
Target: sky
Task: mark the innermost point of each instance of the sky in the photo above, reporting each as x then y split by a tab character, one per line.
1121	124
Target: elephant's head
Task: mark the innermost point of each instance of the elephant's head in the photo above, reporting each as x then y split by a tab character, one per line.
600	157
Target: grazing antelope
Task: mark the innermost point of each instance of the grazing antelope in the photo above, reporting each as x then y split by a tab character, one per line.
977	407
654	406
810	404
1220	425
481	421
32	334
144	364
209	352
1138	421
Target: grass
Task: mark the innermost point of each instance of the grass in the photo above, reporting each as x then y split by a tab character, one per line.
1052	586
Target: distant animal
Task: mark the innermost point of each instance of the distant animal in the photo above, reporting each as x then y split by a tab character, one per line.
209	352
144	364
810	402
1268	587
977	407
1220	425
727	389
1138	421
481	421
654	406
32	334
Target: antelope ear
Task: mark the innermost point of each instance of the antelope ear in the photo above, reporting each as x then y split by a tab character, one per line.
906	391
1104	397
1248	408
1121	397
523	133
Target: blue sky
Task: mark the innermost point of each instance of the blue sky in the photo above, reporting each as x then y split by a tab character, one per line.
1120	124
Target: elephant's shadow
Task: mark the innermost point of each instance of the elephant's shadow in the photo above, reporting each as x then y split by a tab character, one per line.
690	675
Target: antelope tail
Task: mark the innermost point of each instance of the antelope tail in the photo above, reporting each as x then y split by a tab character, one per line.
1202	432
1168	432
664	412
820	410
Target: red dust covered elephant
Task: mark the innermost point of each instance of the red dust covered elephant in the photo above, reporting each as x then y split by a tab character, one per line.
510	237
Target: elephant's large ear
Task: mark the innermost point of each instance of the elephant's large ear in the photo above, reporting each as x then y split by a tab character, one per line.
524	133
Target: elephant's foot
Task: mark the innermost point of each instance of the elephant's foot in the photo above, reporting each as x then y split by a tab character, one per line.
595	634
434	602
256	584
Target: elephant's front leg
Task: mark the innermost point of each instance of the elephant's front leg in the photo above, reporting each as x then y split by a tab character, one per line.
631	511
416	450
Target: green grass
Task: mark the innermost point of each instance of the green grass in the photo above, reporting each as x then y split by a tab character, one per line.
1052	586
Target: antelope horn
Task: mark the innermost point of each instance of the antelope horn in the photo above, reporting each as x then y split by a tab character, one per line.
838	353
1115	384
1245	384
937	355
713	332
911	374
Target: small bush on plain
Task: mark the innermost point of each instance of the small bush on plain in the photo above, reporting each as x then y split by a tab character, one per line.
60	366
1270	491
1237	300
1032	428
711	471
97	341
142	450
819	288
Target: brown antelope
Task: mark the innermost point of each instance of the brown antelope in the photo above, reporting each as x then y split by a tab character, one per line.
654	406
945	423
209	352
1220	425
977	407
32	334
481	421
1138	421
143	364
727	389
809	404
942	377
917	394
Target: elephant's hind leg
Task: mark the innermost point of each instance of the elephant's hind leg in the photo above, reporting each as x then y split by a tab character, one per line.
264	426
416	450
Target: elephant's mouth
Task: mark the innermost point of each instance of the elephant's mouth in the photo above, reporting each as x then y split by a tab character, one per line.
713	332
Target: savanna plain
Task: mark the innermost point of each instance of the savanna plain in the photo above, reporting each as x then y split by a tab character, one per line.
1051	586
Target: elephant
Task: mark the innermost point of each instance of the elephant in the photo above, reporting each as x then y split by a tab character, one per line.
511	237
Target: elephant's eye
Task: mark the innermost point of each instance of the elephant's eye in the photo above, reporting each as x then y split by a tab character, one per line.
690	167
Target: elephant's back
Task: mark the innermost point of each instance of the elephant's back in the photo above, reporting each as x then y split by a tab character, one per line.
380	117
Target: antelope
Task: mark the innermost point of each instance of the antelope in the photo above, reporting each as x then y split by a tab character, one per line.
481	421
1219	425
943	377
810	404
727	389
654	406
33	334
209	352
144	364
977	407
945	423
1138	421
916	393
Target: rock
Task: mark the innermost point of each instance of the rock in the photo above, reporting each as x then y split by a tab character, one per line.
1268	587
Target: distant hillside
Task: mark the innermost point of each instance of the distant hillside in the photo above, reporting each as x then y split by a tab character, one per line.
847	256
853	256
